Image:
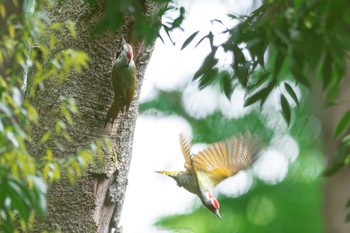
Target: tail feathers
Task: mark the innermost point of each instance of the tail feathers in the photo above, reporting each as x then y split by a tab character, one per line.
112	113
169	173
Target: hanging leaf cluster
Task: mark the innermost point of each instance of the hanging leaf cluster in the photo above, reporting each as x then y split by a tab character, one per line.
144	26
298	36
303	42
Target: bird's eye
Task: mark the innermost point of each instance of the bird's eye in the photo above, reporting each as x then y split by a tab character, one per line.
116	56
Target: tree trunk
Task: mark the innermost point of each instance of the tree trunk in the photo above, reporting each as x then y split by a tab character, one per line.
337	189
95	202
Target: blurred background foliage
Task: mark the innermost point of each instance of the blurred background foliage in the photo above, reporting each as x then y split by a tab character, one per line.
144	27
309	39
294	204
306	41
280	47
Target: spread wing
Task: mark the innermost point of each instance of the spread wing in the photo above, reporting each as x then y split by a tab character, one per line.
185	148
224	159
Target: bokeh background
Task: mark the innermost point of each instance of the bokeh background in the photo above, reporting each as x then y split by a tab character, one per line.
282	192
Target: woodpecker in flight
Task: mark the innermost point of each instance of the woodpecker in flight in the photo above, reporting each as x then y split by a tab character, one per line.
124	82
203	171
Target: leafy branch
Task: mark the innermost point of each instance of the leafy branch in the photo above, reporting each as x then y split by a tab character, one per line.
299	41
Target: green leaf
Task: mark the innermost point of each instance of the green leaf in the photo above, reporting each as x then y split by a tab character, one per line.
92	3
19	200
260	95
339	160
211	41
327	71
332	92
279	60
167	31
347	219
4	108
227	85
232	16
200	41
28	6
262	78
285	109
208	64
342	125
161	38
45	137
254	98
297	74
40	204
291	93
178	21
257	48
332	169
207	78
189	40
218	21
240	66
348	204
71	27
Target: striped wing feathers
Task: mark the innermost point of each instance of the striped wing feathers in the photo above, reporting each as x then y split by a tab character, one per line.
185	148
224	159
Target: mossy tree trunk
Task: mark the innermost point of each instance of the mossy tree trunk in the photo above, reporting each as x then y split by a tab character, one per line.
95	202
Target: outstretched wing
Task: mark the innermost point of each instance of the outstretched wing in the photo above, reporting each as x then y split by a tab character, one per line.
224	159
185	148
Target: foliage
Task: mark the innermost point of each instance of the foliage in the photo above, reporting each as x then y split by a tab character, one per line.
30	47
283	207
219	127
20	199
144	26
305	36
305	41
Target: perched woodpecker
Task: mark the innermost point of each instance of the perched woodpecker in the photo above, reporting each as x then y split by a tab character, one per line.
124	82
203	171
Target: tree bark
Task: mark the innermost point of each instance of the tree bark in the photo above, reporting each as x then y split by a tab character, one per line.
95	202
337	189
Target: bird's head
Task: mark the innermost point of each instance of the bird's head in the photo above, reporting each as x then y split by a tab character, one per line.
128	50
211	203
125	55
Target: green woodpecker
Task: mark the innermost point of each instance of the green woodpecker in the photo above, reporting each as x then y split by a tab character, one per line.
124	82
203	171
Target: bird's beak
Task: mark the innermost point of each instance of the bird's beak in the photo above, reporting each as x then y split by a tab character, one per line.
218	214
